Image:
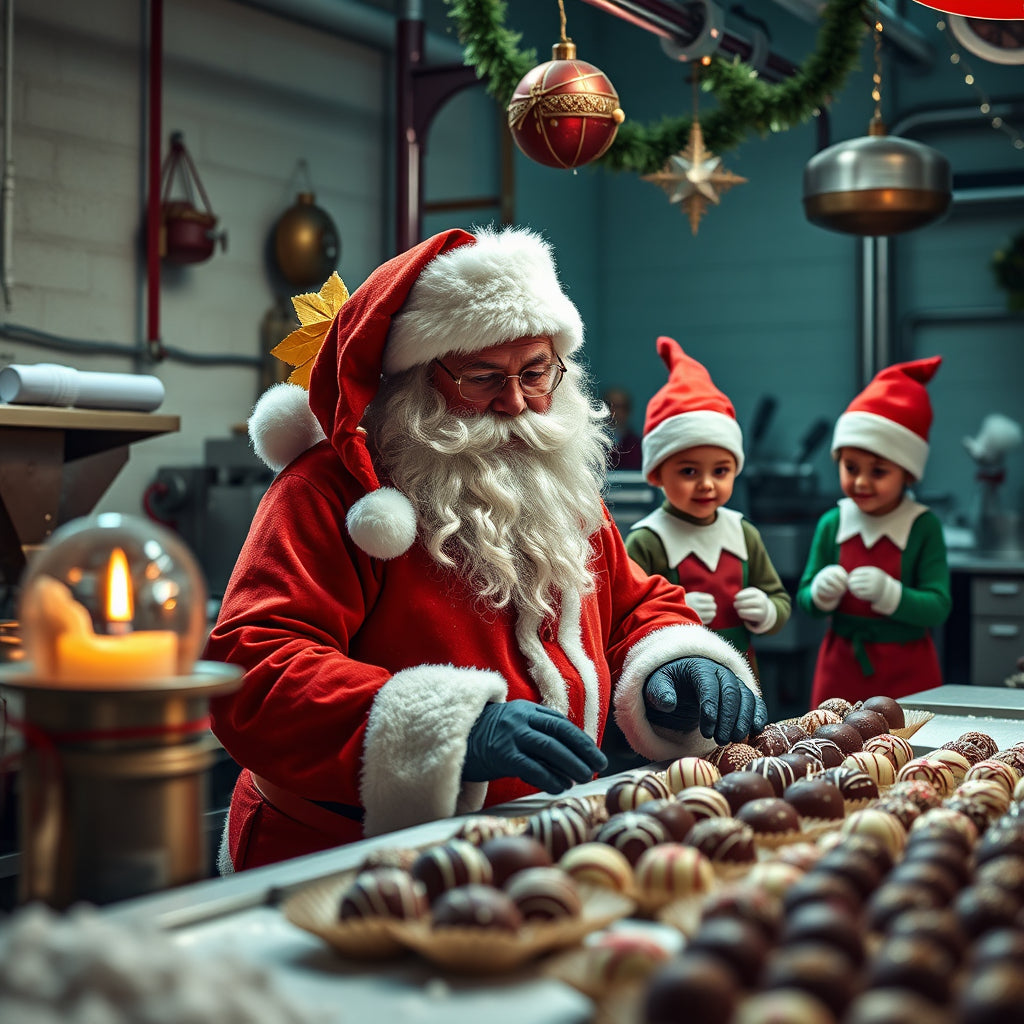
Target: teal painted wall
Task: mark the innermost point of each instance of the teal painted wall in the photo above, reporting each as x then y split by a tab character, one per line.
770	303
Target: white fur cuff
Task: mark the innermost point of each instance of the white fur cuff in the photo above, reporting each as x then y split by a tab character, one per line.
416	745
655	650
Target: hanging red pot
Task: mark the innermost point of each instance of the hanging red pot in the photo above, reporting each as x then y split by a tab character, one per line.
186	232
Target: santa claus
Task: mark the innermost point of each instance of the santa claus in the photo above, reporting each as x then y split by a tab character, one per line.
434	611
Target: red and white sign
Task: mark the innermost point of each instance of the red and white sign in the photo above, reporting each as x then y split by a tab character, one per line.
998	10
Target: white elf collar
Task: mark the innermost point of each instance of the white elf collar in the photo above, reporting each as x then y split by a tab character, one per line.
895	525
682	539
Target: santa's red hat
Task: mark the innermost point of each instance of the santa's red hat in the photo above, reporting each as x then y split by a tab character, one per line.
688	411
453	293
891	417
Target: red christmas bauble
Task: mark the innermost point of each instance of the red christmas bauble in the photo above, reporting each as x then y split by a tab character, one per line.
564	113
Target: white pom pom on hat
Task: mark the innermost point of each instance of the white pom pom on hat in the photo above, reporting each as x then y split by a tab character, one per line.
282	425
451	293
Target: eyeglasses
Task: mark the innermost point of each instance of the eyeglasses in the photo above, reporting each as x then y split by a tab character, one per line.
484	387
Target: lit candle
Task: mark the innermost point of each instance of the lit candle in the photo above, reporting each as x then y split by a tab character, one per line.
75	653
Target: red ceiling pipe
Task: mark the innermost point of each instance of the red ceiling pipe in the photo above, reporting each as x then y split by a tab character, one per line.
156	48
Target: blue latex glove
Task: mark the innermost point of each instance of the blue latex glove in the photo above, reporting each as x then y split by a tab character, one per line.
699	693
528	741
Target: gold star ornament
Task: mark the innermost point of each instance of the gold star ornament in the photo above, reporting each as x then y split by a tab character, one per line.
694	177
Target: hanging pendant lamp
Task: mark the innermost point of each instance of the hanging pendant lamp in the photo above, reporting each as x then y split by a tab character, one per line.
878	184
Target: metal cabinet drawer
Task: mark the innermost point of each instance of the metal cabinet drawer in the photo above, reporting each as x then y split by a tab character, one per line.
997	595
996	644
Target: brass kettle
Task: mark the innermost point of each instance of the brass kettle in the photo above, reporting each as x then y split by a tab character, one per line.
307	246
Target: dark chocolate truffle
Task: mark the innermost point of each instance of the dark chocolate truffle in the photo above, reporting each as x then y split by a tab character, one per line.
723	841
894	1006
509	854
992	995
739	944
819	922
845	737
929	874
677	818
476	906
747	903
905	961
558	828
937	925
854	784
778	772
632	832
544	894
815	798
794	732
983	908
741	787
889	708
825	887
693	988
732	757
769	741
837	705
999	944
629	793
868	723
769	816
814	968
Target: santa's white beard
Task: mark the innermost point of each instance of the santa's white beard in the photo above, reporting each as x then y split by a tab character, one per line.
508	503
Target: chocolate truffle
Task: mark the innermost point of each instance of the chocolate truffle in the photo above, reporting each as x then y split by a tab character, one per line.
778	772
907	962
617	957
989	793
690	771
815	798
739	944
983	908
1005	872
999	945
924	794
814	720
901	808
723	841
740	788
774	876
826	888
544	894
631	833
981	740
672	871
819	923
769	817
746	902
992	995
476	906
889	708
997	771
485	826
894	1006
817	969
927	874
769	741
973	753
950	854
1013	756
876	824
676	817
703	802
854	784
509	854
784	1006
868	723
558	828
977	812
794	732
862	871
390	857
837	705
390	893
802	762
447	865
598	864
937	925
958	764
627	794
694	988
1004	838
894	899
941	822
827	751
732	757
844	736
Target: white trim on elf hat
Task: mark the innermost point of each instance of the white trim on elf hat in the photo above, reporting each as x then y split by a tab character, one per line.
892	416
687	412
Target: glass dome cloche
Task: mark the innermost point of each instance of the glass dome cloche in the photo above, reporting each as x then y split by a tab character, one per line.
112	600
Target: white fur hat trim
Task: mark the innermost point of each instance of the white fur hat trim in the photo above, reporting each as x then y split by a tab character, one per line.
883	437
382	523
690	430
502	288
282	425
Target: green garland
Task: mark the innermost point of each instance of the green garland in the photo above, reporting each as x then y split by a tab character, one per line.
1008	266
745	102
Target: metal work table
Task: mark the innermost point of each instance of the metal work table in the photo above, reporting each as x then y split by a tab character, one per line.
240	915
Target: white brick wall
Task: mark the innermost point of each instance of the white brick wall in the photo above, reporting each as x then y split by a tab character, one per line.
253	93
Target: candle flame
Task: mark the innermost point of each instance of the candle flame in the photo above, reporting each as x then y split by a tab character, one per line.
120	607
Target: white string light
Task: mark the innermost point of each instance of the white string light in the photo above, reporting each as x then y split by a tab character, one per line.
959	61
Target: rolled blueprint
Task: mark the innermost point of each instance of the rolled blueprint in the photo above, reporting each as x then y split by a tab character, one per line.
54	384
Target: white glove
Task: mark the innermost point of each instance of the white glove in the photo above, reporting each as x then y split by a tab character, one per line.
878	588
703	604
755	609
828	587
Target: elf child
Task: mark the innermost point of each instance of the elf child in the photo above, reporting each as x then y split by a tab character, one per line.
693	450
877	563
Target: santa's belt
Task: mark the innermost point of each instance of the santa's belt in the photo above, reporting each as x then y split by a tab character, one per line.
322	815
860	630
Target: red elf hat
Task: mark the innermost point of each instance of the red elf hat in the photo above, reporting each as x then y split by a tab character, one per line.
688	411
892	416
